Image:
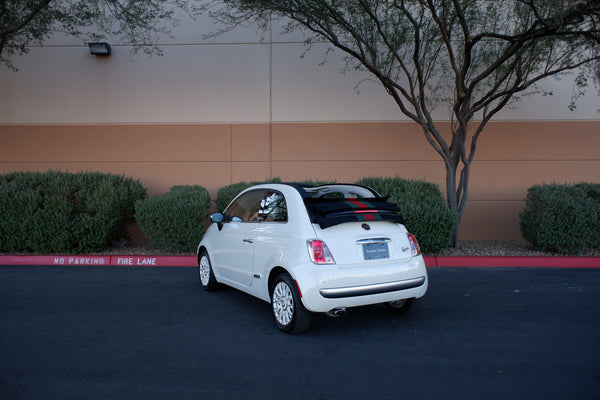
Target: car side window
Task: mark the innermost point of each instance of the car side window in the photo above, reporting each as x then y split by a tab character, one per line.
246	207
273	207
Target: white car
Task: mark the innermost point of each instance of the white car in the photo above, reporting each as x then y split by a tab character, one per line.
313	249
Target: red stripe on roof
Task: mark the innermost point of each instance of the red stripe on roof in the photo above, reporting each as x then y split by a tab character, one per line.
359	204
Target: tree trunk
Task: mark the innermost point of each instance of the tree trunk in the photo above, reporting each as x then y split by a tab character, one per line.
453	200
457	189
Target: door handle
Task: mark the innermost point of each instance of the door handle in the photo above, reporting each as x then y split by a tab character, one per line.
248	241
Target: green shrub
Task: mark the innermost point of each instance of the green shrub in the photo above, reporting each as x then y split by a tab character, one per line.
562	219
61	212
176	220
226	194
423	207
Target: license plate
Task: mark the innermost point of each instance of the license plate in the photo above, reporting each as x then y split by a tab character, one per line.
375	251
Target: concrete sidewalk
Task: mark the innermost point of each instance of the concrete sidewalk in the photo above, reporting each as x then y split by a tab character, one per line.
190	261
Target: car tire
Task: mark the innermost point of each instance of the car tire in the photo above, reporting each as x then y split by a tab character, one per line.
400	306
290	314
205	273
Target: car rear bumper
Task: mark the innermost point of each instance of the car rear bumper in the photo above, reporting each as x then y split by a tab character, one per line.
377	288
324	288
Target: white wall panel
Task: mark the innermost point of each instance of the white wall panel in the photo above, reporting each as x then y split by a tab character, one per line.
227	83
194	31
555	106
234	78
187	31
304	90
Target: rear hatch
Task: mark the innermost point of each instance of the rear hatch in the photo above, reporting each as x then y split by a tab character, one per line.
358	230
354	244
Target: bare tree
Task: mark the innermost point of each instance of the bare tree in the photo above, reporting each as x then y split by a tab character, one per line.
472	56
24	23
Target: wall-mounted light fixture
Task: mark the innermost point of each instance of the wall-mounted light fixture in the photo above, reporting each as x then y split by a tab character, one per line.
99	48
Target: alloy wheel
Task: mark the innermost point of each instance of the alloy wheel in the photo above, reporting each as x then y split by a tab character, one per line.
283	303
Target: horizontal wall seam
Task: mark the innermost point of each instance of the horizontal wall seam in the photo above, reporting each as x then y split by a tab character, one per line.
54	161
436	160
514	160
285	122
353	160
120	162
189	44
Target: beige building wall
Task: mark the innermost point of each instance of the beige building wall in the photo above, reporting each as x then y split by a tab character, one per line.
246	106
512	156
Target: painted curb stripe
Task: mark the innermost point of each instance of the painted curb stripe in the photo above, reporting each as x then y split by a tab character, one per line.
118	260
190	261
513	261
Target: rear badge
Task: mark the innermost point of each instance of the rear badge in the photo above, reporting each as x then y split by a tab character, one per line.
366	227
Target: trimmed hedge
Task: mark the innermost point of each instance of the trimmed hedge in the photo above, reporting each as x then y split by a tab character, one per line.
562	219
176	220
62	212
423	207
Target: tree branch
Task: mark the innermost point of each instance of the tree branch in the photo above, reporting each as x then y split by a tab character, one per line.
27	19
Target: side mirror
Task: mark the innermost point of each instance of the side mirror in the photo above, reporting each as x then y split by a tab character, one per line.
218	218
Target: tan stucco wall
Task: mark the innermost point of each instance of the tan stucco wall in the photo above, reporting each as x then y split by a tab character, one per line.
511	157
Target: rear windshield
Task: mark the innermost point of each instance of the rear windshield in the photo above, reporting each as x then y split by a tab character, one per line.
336	204
341	192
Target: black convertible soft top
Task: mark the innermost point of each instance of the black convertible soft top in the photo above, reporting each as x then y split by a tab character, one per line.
329	210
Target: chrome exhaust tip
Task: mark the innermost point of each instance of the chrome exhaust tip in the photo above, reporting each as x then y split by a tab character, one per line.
337	312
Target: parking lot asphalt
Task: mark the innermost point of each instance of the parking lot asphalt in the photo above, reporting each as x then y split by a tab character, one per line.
98	332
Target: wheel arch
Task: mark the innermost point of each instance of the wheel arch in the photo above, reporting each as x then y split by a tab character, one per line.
201	249
275	272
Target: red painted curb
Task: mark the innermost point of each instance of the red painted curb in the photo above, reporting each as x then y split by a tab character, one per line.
516	261
87	260
190	261
430	261
155	261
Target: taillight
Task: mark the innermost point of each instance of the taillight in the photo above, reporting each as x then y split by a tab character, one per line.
414	245
319	252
